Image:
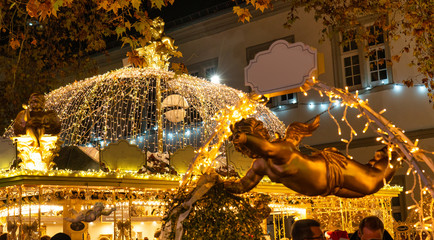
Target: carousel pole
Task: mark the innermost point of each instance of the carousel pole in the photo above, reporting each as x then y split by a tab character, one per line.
114	215
342	209
159	115
20	219
130	203
8	208
122	220
39	213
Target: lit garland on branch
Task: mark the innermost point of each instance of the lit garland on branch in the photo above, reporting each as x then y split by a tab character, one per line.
225	117
391	136
389	133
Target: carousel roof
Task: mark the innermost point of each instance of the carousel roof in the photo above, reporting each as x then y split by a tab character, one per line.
138	104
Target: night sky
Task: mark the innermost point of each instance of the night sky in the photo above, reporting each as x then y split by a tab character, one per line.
187	10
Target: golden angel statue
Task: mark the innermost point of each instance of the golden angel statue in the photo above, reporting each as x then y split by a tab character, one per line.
35	121
325	172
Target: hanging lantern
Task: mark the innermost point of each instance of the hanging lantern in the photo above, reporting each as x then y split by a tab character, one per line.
175	105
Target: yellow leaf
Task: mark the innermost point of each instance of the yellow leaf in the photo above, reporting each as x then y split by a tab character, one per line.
128	25
179	68
242	13
103	4
158	3
120	30
260	7
263	4
115	7
57	4
136	3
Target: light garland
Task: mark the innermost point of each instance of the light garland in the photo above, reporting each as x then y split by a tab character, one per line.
122	104
206	155
391	136
334	212
88	174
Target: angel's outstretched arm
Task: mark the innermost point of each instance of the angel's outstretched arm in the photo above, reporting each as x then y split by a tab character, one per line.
253	176
107	212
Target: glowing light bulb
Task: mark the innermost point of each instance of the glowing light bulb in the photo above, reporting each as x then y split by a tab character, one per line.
215	79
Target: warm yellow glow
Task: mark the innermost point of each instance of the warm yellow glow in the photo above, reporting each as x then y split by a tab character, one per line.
92	174
288	209
225	117
25	209
36	158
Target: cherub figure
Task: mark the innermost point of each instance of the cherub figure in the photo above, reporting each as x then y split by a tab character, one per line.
30	230
12	229
90	215
35	121
325	172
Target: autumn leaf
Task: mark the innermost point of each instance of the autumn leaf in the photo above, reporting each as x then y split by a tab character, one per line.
158	3
177	54
242	13
135	59
262	5
179	68
408	83
127	25
14	43
104	5
396	58
141	27
34	42
45	10
115	7
57	4
136	3
32	8
120	30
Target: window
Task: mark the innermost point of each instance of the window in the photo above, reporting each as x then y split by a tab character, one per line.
209	72
205	69
377	56
282	101
350	56
195	74
360	66
278	102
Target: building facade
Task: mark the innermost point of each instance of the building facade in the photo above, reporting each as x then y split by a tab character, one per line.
221	45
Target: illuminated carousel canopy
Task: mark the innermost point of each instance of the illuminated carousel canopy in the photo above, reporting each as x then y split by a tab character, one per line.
154	109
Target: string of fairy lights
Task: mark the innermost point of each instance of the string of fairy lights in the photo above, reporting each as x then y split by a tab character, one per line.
124	104
391	136
29	200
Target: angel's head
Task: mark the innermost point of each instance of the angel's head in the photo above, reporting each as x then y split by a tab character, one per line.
249	126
